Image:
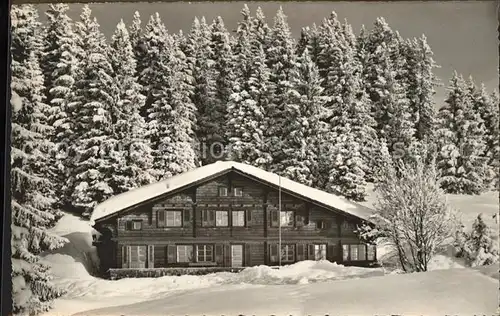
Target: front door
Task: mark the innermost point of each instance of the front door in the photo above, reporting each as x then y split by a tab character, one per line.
236	255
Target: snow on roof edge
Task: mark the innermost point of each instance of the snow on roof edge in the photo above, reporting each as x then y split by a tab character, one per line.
135	196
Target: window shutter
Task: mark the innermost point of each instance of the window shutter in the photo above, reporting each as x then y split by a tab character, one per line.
301	252
310	255
125	256
299	220
204	217
248	258
273	253
171	254
274	218
151	256
227	255
187	218
161	218
331	253
219	254
211	217
248	213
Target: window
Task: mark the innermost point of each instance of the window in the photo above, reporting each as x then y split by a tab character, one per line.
238	191
169	218
136	225
345	252
320	252
370	252
204	253
286	218
222	191
222	218
238	218
208	218
184	253
354	252
174	218
287	253
320	224
137	257
362	252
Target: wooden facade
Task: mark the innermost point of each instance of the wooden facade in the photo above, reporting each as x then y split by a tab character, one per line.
230	220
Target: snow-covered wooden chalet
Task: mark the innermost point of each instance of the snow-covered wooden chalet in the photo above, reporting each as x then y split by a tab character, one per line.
227	214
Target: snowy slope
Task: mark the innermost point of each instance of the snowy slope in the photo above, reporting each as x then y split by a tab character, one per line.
456	292
132	197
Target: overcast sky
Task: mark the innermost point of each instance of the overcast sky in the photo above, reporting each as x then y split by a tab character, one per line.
462	34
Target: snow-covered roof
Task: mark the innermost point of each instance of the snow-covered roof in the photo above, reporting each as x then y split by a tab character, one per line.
147	192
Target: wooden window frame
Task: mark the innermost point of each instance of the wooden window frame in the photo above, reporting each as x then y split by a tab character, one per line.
374	248
344	252
206	214
181	211
233	217
205	253
219	191
235	190
227	218
133	222
322	226
129	256
281	216
287	247
192	253
326	250
358	247
351	248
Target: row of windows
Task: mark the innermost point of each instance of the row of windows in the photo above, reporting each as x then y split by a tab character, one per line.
135	256
224	191
359	252
212	218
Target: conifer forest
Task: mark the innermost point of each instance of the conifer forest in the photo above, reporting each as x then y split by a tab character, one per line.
93	117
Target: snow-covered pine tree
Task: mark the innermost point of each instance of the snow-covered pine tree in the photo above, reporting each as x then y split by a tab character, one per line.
92	147
60	67
491	120
83	31
309	39
485	105
132	160
247	107
172	114
262	32
382	47
32	189
137	42
302	135
351	126
211	117
28	83
479	246
461	144
281	60
390	106
420	86
198	54
330	31
149	68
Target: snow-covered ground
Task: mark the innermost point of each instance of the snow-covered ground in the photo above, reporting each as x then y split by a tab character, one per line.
445	292
308	287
